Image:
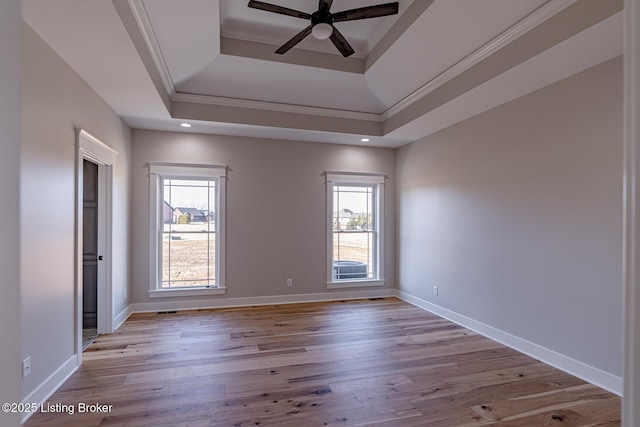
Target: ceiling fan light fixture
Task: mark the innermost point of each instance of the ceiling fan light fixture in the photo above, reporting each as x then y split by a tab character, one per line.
322	31
322	22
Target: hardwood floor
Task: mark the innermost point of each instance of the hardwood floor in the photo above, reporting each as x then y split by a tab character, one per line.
379	362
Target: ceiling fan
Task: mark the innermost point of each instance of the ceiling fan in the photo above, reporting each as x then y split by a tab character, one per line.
322	22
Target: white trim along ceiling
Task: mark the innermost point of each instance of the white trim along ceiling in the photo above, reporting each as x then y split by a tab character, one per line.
212	62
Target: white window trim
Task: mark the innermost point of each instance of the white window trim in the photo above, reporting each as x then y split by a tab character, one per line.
158	171
346	178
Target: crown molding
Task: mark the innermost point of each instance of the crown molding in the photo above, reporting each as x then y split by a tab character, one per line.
274	106
144	24
306	58
276	42
535	18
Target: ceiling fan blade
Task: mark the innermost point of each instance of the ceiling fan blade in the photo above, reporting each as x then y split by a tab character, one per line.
341	43
278	9
324	3
366	12
294	41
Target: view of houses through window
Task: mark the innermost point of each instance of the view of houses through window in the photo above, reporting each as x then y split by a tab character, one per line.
188	233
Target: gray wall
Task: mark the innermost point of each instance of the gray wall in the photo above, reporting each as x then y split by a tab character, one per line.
56	101
10	47
516	214
275	207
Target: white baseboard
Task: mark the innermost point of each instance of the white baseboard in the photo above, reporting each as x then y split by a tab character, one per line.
121	318
196	304
567	364
170	305
50	385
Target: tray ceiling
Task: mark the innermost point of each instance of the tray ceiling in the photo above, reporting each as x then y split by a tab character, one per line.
212	62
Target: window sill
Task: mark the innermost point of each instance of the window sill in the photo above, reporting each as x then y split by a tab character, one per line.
164	293
354	284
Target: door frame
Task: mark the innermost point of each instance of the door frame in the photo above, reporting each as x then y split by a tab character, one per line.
92	149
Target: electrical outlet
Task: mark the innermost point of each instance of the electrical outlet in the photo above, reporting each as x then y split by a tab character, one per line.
125	293
435	290
289	283
26	367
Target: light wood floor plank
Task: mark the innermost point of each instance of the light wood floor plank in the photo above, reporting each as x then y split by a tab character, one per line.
378	362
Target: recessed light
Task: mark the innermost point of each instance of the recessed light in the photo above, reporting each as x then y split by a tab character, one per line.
365	139
185	125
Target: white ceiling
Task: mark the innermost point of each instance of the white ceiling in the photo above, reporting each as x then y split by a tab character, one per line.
211	62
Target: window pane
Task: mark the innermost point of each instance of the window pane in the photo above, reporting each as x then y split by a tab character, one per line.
212	207
355	247
211	258
353	232
186	260
188	233
353	207
186	203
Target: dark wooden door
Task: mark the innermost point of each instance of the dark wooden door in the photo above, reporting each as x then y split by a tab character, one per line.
90	245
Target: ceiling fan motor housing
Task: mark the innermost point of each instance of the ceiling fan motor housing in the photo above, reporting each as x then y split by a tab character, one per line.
321	17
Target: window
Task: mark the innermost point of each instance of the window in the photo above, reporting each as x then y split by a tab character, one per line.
187	229
355	230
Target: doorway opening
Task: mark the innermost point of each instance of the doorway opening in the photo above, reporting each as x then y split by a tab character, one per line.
94	297
91	253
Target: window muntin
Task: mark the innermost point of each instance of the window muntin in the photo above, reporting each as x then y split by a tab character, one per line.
188	233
